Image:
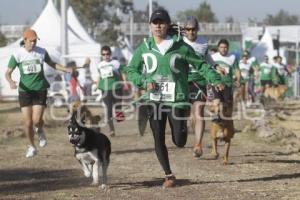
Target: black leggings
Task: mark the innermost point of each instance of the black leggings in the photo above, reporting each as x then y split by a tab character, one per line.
110	98
158	119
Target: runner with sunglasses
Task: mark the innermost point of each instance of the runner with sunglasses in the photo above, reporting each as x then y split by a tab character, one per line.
197	83
111	88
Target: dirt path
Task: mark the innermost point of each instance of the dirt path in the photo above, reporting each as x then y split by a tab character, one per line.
257	170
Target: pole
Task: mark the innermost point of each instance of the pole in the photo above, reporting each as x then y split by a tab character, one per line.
64	30
150	12
131	27
296	74
278	39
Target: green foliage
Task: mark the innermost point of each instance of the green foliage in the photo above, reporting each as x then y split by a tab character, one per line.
91	12
3	40
142	16
281	18
203	13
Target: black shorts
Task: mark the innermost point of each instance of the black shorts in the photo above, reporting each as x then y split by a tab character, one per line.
225	96
197	92
265	82
32	98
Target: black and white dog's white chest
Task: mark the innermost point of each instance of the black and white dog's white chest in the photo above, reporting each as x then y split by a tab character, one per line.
88	157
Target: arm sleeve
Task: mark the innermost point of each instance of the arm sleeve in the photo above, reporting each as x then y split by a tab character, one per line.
48	60
12	64
205	69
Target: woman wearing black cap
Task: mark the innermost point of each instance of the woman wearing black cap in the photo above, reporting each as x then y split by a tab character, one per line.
166	58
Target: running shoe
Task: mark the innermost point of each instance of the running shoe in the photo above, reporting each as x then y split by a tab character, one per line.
169	181
42	137
197	151
31	151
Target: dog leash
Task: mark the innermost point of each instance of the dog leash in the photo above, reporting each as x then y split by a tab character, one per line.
199	91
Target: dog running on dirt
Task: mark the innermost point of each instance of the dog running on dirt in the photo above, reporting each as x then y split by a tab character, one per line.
275	93
224	131
92	150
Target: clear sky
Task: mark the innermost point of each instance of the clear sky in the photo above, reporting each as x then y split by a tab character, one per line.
26	11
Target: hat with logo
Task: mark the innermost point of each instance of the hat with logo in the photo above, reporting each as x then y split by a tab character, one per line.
30	34
160	14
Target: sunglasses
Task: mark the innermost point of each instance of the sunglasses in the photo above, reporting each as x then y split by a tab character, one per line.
34	41
105	54
190	29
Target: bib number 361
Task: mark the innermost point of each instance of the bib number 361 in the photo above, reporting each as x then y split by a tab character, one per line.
164	91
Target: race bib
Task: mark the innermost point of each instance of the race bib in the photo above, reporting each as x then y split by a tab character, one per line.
281	71
244	73
106	71
31	68
226	68
164	91
267	70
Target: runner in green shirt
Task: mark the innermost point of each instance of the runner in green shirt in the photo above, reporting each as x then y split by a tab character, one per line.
247	66
231	77
29	59
265	74
166	58
197	83
109	83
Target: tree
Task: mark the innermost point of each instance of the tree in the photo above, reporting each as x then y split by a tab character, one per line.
92	12
229	19
142	16
3	40
281	18
203	13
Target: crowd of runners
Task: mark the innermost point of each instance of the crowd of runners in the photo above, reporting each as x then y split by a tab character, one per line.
174	74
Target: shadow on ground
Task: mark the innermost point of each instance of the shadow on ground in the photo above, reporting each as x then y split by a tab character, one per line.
37	180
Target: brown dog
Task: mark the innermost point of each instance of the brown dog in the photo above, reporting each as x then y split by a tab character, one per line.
84	115
223	131
276	93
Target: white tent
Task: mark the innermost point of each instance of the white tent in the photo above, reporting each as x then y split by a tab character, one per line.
288	34
76	26
264	47
48	28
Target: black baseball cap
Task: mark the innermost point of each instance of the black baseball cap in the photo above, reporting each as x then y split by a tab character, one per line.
160	14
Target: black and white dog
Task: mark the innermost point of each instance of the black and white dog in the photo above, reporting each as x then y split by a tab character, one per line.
92	149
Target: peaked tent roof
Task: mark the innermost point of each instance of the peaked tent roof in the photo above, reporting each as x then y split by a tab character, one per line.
47	26
74	23
264	47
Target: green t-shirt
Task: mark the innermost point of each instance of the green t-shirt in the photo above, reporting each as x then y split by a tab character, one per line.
31	69
229	63
200	47
265	71
168	70
109	75
247	70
